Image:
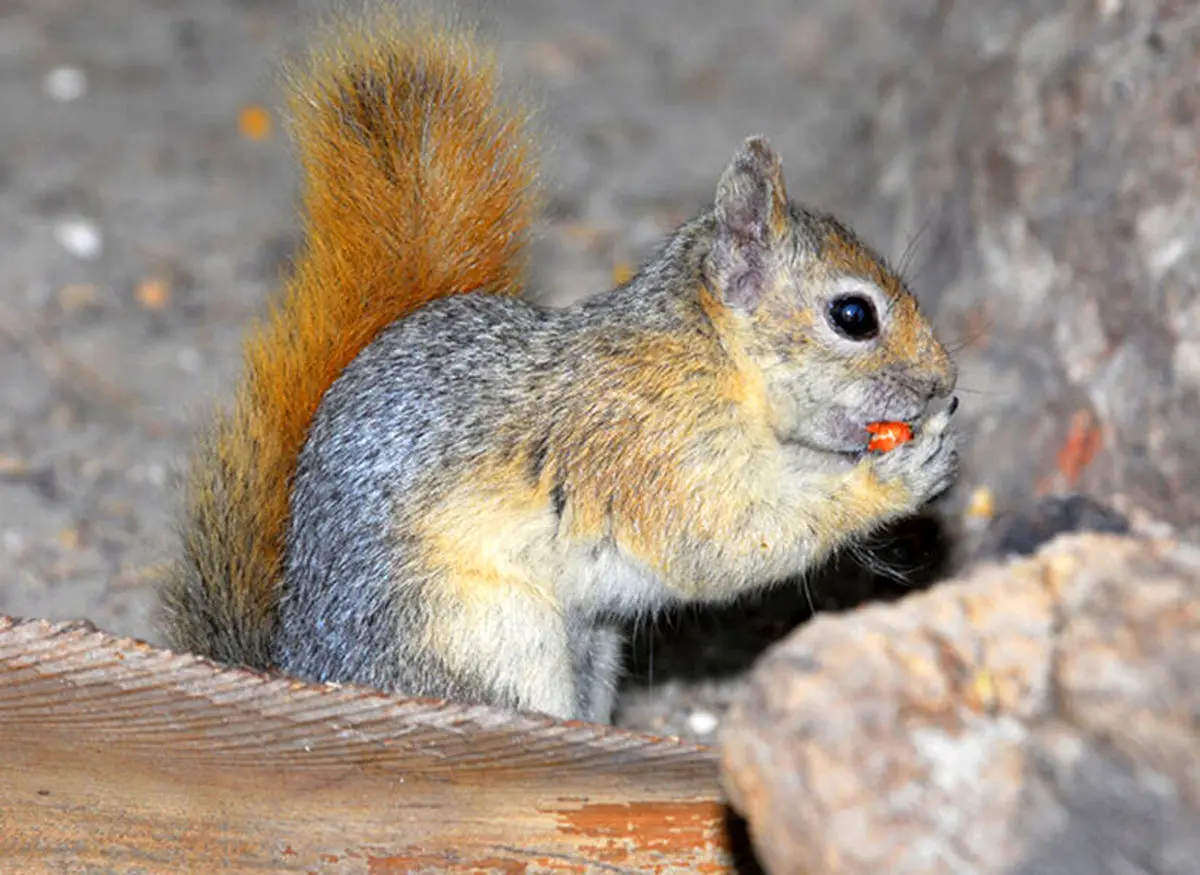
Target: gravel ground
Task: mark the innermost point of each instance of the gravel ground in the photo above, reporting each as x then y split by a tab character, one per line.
146	208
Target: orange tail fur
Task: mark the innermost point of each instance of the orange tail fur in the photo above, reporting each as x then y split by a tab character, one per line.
418	184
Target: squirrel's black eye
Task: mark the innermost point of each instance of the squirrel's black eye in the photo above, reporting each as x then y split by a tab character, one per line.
854	316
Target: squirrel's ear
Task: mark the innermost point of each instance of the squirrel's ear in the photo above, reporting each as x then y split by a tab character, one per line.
752	219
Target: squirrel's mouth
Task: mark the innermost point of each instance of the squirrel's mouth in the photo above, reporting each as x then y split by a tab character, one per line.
845	448
842	434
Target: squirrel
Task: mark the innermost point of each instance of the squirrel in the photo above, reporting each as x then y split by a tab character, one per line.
429	485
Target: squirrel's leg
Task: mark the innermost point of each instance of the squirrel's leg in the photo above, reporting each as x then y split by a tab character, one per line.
507	642
598	648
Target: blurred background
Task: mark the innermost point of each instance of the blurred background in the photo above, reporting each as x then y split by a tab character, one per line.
1036	165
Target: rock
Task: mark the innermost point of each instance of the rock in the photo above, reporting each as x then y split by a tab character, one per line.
1051	153
1035	717
1022	533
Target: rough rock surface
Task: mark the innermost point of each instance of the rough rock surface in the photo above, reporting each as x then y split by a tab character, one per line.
1036	717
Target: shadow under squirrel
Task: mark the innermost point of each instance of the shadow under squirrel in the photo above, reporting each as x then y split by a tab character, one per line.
428	485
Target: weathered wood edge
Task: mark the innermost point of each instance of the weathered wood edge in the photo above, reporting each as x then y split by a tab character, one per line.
116	756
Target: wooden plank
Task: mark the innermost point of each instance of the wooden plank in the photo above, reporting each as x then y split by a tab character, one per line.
116	757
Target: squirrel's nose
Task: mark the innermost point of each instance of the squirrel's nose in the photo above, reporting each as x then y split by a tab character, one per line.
935	382
941	373
944	380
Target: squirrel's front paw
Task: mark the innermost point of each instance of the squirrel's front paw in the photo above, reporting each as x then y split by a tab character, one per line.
927	465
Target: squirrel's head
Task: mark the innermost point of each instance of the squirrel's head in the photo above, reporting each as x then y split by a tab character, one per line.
835	333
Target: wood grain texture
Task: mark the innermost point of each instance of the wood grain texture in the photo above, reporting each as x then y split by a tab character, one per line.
116	757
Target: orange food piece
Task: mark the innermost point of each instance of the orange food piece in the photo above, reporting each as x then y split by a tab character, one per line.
886	436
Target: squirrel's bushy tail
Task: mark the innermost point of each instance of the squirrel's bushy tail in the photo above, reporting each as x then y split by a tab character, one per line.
418	184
